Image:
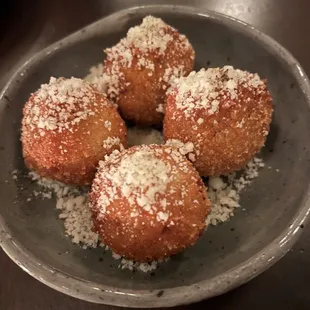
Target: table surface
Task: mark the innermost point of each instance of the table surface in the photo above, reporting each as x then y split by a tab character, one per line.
28	26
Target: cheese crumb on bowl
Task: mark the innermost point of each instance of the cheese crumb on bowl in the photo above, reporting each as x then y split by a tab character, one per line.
224	192
140	136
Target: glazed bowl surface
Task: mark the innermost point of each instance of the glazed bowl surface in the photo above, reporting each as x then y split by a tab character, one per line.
274	208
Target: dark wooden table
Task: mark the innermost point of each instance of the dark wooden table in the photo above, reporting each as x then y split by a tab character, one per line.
27	26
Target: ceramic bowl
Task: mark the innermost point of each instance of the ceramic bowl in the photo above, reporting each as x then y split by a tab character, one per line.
274	207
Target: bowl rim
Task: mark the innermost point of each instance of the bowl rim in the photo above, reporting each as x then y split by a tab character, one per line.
238	275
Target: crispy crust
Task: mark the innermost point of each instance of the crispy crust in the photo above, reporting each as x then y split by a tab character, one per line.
144	238
228	139
71	156
142	90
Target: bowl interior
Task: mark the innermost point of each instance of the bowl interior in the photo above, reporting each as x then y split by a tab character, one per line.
268	205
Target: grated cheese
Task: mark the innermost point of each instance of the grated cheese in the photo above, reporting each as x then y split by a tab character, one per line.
109	142
225	194
60	104
203	90
186	148
139	136
74	210
151	37
138	176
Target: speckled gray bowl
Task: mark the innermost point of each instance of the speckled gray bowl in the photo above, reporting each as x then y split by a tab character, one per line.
276	205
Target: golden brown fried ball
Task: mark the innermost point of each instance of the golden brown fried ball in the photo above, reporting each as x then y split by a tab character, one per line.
141	67
225	113
67	127
148	202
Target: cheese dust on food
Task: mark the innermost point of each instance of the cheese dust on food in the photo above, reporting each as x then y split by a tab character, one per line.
186	148
204	89
60	104
109	142
150	36
140	177
153	35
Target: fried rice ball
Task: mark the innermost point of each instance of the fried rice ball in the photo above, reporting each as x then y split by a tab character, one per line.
148	202
224	112
67	127
140	68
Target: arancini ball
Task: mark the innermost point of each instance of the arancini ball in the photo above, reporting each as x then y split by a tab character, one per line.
67	127
224	112
148	202
141	67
